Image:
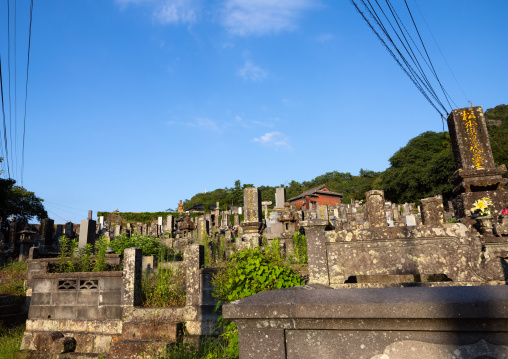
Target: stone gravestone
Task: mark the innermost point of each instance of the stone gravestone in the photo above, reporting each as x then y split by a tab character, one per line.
118	230
265	205
69	230
322	212
395	211
58	232
280	198
252	218
375	208
225	220
203	228
87	229
410	220
46	231
237	220
432	211
476	175
170	224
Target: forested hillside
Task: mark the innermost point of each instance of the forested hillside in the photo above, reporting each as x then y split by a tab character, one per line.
419	169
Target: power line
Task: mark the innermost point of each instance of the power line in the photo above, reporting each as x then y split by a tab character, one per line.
61	205
64	210
26	91
65	219
3	113
406	71
441	52
405	56
430	61
15	96
9	71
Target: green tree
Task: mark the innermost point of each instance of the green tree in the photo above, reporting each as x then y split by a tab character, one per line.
497	123
18	202
420	169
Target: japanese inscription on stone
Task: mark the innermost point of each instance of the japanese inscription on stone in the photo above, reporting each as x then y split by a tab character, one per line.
469	139
476	147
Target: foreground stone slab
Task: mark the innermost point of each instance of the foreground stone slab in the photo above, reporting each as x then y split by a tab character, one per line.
311	322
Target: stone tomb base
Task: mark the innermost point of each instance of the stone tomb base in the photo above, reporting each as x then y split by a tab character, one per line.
464	201
388	323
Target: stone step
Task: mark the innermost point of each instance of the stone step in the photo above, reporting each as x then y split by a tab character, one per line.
135	348
30	354
156	331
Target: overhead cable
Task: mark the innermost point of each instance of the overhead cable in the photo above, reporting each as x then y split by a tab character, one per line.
4	127
26	91
418	86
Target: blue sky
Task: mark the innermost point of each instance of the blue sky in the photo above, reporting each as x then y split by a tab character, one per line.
136	104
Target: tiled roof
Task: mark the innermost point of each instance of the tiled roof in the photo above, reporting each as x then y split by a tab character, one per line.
314	191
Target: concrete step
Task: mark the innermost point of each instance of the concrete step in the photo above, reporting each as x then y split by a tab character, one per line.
134	348
156	331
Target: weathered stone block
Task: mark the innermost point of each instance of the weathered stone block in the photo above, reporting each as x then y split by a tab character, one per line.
64	297
432	211
40	299
132	272
375	207
194	259
87	312
65	312
152	331
43	342
112	297
111	283
88	297
41	312
84	342
316	250
63	345
110	312
42	286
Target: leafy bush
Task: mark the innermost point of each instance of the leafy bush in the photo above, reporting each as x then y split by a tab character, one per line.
249	272
253	271
72	259
300	248
151	246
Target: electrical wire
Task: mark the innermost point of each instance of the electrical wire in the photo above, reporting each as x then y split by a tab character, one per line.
26	91
61	205
3	113
9	71
430	61
406	71
15	96
441	52
63	210
65	219
397	40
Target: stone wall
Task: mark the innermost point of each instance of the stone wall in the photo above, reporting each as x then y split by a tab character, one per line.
91	309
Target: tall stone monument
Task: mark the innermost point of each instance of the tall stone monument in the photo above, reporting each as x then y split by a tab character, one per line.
280	198
477	175
87	230
252	223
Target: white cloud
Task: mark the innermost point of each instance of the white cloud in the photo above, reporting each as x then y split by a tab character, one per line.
168	11
274	140
206	124
259	17
252	72
325	38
